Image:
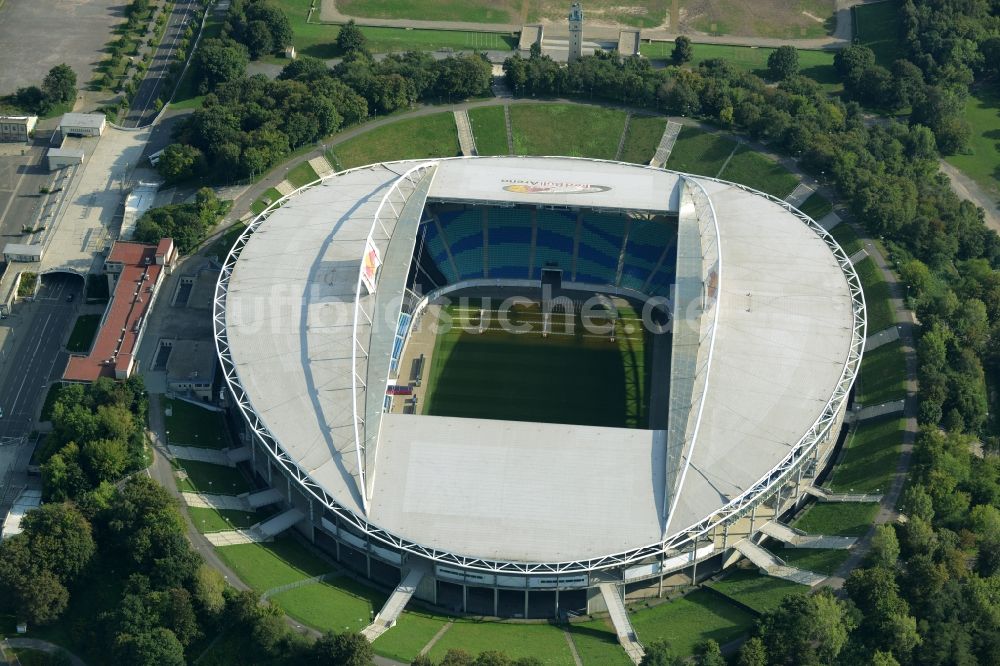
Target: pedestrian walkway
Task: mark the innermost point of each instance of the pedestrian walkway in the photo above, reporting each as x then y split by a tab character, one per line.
666	145
858	256
621	140
876	411
796	538
466	140
232	538
623	626
272	527
829	221
284	187
799	195
213	456
776	567
883	337
220	502
824	495
510	132
394	605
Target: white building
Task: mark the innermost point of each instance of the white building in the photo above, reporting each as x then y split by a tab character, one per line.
16	128
82	124
22	252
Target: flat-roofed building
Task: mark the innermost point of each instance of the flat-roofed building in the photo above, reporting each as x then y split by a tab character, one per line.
191	368
22	252
82	124
60	158
16	128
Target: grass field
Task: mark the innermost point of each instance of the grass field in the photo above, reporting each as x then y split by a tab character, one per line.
544	641
816	206
784	19
609	380
879	27
812	559
761	593
877	294
701	153
688	621
83	333
264	566
870	456
848	238
470	11
490	130
301	174
838	518
189	425
817	65
554	129
426	136
883	375
597	644
982	162
340	605
221	520
205	477
412	632
643	137
761	173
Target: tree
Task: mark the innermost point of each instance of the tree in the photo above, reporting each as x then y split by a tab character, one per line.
783	63
708	653
59	539
884	547
659	653
219	61
180	162
851	63
753	653
456	657
345	649
60	84
158	647
209	590
350	39
682	52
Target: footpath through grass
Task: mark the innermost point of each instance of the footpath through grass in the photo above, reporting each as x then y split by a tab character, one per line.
544	641
555	129
754	170
490	130
701	153
413	138
838	518
84	331
643	137
759	592
692	619
883	375
870	455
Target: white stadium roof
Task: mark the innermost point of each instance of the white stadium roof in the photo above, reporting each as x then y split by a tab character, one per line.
785	351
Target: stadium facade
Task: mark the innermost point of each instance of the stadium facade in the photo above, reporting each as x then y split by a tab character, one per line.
313	313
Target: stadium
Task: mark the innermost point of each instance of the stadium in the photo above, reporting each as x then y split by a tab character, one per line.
530	386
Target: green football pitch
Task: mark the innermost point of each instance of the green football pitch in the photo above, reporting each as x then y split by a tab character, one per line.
560	372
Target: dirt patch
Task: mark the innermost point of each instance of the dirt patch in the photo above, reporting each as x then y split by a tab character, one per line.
781	19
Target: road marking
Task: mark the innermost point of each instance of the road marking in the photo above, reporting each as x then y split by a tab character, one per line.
31	358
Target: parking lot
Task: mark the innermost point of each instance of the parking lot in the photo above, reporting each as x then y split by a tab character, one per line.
36	36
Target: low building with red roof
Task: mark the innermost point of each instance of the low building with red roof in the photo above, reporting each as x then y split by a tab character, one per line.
134	272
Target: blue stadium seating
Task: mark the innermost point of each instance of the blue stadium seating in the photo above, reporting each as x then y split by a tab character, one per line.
646	240
554	242
434	247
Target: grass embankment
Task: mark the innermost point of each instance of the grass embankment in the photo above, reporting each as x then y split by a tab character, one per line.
877	295
883	375
754	170
413	138
692	619
221	520
190	425
544	641
643	137
879	27
759	592
838	518
822	561
870	455
490	130
816	206
701	153
554	129
202	477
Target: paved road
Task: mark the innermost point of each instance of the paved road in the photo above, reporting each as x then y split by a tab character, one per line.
143	110
37	354
21	176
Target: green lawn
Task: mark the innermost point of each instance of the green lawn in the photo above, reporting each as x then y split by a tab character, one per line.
221	520
597	644
883	375
544	641
264	566
426	136
847	237
644	133
816	207
319	39
817	65
189	425
220	246
83	333
821	561
339	605
879	27
869	461
838	518
533	389
692	619
469	11
877	294
554	129
412	632
698	152
982	162
759	592
759	172
269	196
302	174
205	477
490	130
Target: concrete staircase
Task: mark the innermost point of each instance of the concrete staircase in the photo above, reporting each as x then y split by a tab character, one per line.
883	337
799	195
213	456
263	498
824	495
666	144
272	527
621	140
221	502
623	626
798	539
466	139
239	454
774	566
394	605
